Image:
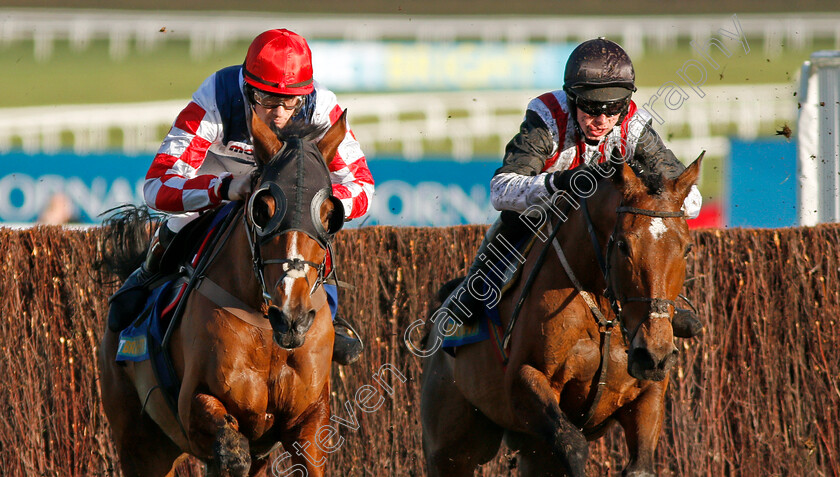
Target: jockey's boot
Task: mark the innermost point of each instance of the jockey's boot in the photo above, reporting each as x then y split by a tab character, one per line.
461	303
686	324
347	346
127	303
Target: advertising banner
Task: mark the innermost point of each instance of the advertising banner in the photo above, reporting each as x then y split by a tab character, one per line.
438	66
426	193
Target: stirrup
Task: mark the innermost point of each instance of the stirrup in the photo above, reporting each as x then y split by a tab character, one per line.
347	348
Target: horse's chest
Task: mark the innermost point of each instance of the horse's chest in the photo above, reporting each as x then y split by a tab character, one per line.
580	373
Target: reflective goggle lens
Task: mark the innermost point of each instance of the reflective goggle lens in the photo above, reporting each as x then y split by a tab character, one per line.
595	108
271	101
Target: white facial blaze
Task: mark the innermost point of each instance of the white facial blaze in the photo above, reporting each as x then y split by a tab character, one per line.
292	275
657	227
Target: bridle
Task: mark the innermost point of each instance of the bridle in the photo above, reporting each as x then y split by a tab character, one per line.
305	178
295	264
657	305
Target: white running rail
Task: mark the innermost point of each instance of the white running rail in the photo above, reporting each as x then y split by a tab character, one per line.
208	31
412	123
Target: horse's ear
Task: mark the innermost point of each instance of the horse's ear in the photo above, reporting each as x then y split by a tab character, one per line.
328	145
626	180
689	177
266	143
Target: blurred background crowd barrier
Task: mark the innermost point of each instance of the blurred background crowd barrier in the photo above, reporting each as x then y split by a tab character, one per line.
432	99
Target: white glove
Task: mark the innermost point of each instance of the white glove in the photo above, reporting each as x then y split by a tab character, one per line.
238	189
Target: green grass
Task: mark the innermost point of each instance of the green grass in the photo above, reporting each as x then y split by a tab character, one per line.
654	68
91	76
168	72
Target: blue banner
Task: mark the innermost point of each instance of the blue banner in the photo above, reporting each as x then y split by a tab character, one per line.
93	184
439	66
762	183
425	193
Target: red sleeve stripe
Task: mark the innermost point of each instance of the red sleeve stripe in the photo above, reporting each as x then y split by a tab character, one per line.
560	119
161	164
168	199
190	118
360	206
360	171
335	114
196	152
341	191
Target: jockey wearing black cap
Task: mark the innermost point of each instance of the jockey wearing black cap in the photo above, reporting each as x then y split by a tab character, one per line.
591	118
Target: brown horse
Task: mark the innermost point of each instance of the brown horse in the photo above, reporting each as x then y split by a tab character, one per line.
547	401
245	383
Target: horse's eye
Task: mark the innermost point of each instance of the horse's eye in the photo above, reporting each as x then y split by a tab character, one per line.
688	249
622	247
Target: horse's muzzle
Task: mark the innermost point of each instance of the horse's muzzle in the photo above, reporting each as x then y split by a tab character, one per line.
645	365
290	333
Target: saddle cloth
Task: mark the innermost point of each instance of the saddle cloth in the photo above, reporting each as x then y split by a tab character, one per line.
146	333
489	324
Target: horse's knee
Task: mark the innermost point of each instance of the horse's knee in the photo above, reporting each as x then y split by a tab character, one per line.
571	446
231	452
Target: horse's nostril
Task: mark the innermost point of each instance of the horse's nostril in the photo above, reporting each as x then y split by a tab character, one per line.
643	358
279	321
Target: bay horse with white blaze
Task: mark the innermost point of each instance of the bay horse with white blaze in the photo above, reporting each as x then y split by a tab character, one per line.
619	258
245	383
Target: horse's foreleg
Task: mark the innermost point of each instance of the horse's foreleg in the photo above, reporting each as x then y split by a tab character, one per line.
457	437
214	434
308	444
538	412
642	423
144	449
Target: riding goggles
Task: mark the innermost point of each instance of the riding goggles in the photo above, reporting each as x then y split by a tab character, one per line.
597	108
271	101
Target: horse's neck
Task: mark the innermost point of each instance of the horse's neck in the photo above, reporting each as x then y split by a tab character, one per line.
232	268
577	242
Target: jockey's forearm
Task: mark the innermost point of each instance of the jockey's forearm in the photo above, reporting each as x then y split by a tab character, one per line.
516	192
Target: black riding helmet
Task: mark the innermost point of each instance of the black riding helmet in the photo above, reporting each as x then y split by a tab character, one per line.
600	71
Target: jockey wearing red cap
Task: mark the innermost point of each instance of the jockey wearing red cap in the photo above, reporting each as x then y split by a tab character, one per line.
207	156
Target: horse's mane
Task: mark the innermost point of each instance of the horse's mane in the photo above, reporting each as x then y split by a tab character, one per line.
654	181
121	247
299	130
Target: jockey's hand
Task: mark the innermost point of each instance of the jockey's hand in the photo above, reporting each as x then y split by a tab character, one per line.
238	187
559	180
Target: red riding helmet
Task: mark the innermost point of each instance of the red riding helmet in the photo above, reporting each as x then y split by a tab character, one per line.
279	62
